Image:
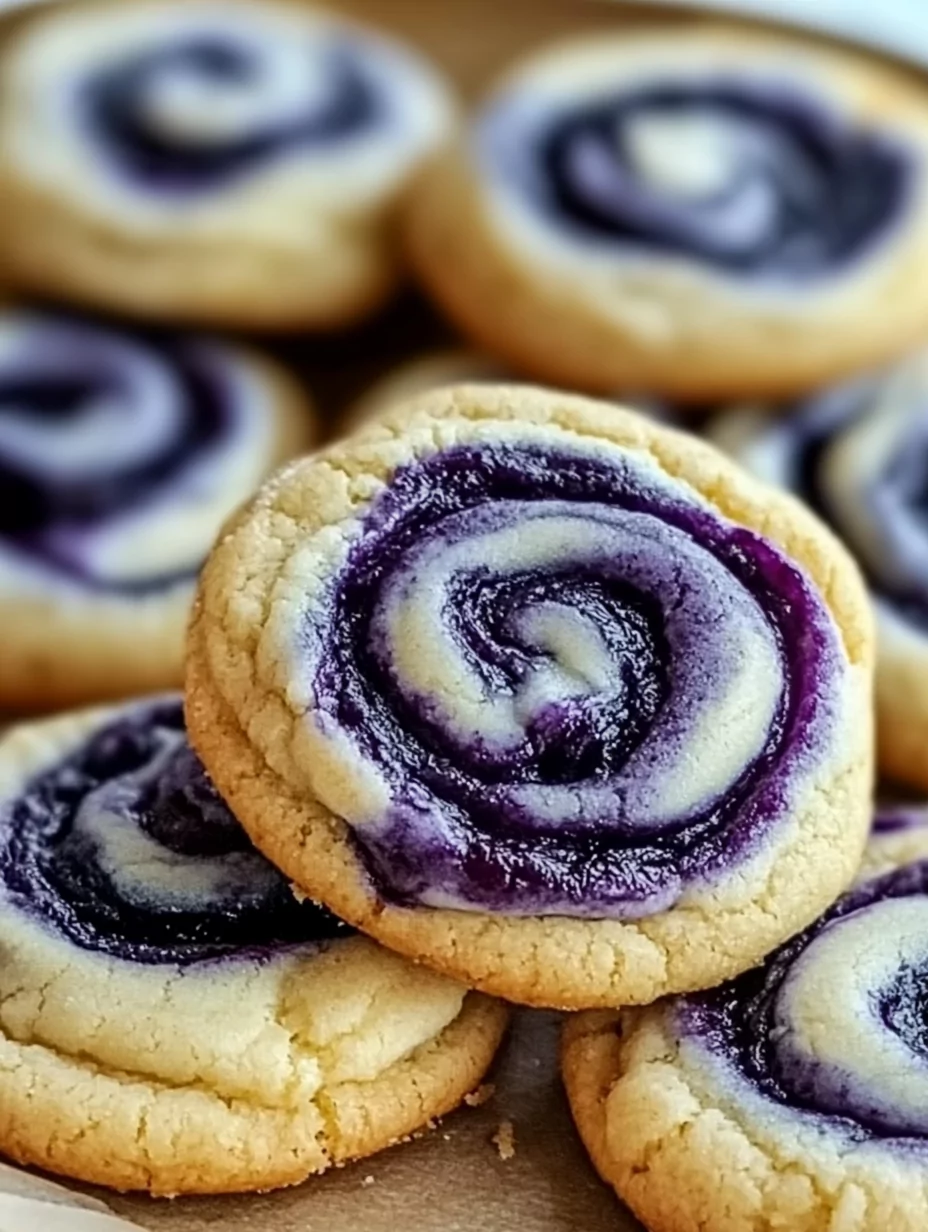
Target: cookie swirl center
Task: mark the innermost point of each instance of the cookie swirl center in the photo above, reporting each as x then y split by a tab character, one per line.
97	431
549	695
157	857
200	107
751	177
550	680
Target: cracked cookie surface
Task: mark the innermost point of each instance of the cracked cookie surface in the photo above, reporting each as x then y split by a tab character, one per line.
549	697
172	1018
792	1097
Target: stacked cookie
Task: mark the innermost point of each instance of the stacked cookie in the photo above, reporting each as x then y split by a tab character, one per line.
791	1096
708	220
561	703
509	695
172	1017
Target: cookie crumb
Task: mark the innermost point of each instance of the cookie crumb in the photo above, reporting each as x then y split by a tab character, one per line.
367	1180
486	1091
505	1140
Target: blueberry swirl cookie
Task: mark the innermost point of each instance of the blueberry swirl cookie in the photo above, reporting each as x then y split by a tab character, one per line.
227	162
857	453
792	1097
172	1017
549	697
120	455
698	213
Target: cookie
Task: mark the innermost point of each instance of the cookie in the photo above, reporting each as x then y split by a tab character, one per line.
459	366
172	1017
857	454
120	455
433	370
696	212
232	163
899	836
794	1097
551	698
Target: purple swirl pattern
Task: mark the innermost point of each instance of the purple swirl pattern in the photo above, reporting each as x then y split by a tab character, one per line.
562	684
832	1027
858	455
183	103
119	453
122	847
754	174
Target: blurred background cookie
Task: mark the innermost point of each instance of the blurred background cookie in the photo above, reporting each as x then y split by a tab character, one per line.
172	1018
230	163
417	376
858	455
120	455
693	214
455	366
899	836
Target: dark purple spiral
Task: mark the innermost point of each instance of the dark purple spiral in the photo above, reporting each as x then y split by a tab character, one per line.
834	1025
801	192
115	101
181	103
580	689
858	455
97	429
194	888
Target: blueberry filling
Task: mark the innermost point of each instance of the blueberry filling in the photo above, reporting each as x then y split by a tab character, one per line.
596	734
124	848
67	383
795	191
746	1025
899	494
903	1007
116	105
560	797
